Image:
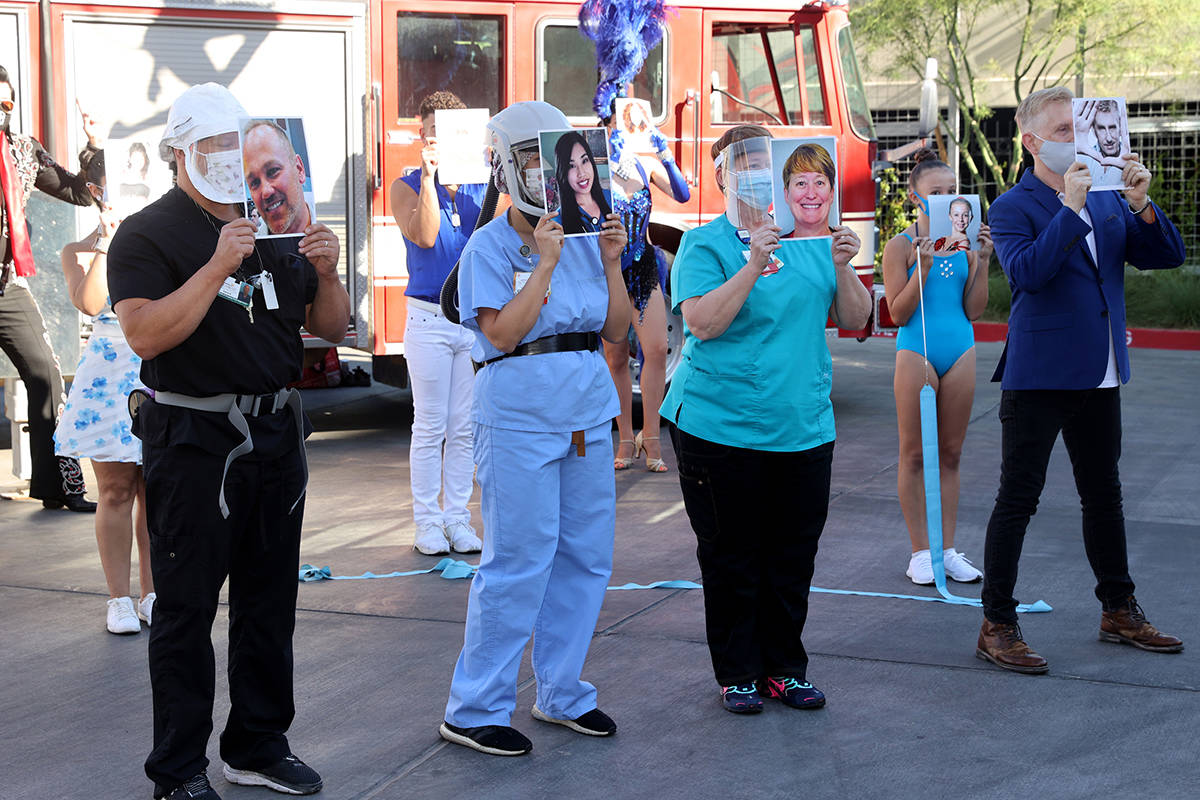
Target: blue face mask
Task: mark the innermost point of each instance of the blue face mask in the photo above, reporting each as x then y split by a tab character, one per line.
754	188
924	203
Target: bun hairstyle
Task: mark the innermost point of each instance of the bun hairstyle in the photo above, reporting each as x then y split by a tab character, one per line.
924	160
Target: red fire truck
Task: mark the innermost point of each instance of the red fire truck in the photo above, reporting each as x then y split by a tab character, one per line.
356	70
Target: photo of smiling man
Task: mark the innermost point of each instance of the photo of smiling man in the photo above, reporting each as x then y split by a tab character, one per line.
278	181
1101	139
805	186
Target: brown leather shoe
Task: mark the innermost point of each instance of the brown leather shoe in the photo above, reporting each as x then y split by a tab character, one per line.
1128	625
1002	645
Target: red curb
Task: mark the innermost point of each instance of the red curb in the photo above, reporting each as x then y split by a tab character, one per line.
1150	338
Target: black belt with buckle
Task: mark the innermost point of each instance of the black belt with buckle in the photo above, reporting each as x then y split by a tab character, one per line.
558	343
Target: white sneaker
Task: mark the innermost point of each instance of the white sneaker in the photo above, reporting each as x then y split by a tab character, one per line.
431	540
146	607
121	616
920	568
462	538
958	568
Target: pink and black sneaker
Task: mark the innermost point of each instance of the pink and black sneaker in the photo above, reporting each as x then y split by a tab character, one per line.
797	694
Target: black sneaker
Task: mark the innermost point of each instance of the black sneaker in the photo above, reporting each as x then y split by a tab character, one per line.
593	723
196	788
791	692
289	775
741	699
495	740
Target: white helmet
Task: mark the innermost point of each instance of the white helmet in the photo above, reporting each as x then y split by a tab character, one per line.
514	141
201	113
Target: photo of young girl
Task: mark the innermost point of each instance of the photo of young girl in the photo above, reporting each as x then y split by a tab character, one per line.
575	175
954	222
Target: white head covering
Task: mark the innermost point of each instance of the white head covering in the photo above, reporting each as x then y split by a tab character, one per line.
200	113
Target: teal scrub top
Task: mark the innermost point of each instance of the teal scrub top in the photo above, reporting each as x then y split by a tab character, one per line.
764	383
549	392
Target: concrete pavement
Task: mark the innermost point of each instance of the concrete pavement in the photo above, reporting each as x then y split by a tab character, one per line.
911	711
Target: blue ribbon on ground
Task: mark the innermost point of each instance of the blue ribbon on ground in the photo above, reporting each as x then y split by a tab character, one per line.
933	506
448	567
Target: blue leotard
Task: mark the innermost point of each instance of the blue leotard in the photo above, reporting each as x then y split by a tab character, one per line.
950	333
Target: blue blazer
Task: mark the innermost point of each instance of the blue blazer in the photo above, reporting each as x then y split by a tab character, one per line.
1063	303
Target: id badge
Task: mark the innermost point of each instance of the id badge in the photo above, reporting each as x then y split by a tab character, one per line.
236	291
522	278
771	268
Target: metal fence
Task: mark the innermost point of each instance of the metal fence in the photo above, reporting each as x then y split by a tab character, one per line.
1165	135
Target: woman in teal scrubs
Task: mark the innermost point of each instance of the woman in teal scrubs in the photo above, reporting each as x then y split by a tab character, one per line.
752	424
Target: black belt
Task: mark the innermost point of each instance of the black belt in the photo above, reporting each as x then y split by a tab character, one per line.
558	343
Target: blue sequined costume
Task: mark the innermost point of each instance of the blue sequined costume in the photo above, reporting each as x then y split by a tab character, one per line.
639	266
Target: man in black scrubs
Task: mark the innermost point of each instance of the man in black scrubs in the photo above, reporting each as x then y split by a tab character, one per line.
217	315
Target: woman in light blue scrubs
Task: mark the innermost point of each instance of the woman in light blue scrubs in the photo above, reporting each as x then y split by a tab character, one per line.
751	420
539	304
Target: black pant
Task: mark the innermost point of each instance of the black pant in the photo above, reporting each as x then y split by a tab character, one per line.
757	516
1090	421
23	339
192	550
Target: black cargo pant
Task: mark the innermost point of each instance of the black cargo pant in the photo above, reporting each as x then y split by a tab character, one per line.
193	549
23	339
758	516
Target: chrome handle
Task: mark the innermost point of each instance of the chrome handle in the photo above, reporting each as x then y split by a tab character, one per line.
377	129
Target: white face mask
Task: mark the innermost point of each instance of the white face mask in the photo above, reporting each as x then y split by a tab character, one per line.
534	186
747	197
217	175
1057	156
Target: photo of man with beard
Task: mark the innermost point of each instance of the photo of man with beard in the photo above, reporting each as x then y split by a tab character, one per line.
277	181
1101	138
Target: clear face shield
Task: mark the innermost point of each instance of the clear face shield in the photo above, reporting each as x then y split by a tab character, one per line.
746	174
214	166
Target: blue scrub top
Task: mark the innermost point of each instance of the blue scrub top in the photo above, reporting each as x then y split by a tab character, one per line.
429	266
764	383
550	392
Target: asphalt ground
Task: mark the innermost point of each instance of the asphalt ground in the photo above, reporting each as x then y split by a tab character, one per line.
911	711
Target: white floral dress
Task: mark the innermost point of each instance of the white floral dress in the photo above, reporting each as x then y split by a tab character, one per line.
95	421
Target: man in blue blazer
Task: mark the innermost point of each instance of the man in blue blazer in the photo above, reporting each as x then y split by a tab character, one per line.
1064	251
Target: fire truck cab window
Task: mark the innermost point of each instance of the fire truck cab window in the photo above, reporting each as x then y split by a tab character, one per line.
813	90
459	52
755	76
568	72
856	96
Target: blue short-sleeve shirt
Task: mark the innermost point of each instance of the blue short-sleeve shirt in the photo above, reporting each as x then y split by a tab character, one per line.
550	392
764	383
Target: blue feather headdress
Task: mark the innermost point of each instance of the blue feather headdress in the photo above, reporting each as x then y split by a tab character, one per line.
624	32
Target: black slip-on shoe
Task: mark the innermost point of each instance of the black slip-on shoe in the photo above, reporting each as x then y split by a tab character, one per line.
593	723
289	775
495	740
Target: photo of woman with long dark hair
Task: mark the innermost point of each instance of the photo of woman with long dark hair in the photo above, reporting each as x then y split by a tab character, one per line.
578	183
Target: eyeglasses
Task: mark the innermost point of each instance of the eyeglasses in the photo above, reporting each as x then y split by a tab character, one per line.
6	105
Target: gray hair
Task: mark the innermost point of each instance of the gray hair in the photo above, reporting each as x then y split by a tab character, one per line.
1029	113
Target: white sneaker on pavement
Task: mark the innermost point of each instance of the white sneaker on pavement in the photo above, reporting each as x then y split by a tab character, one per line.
145	608
431	540
121	616
958	568
462	538
920	568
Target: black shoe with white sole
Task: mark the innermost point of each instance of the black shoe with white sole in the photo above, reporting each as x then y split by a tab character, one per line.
289	776
495	740
593	723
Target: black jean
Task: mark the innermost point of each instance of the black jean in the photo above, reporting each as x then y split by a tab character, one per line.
192	550
757	516
1090	422
23	339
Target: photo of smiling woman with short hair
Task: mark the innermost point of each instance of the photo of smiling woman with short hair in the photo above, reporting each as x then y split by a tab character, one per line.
806	186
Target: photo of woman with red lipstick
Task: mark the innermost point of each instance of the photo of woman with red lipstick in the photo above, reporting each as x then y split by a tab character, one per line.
576	178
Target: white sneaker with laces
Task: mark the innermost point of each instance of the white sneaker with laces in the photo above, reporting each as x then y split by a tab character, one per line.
145	608
920	568
431	540
958	568
122	618
463	538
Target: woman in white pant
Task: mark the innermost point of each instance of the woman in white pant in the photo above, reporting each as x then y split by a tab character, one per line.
436	221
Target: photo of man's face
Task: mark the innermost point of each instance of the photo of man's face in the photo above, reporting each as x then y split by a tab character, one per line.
275	178
1107	127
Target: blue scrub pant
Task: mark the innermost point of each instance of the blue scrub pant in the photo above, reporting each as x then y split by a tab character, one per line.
548	518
